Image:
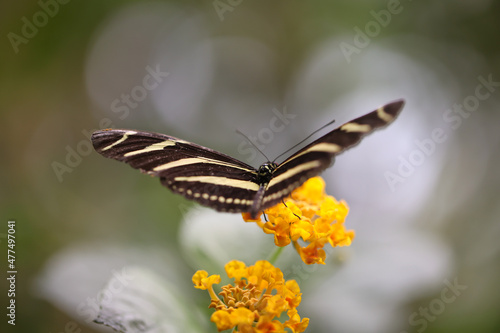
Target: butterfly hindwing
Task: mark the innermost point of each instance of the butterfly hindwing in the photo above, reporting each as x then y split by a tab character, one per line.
201	174
311	160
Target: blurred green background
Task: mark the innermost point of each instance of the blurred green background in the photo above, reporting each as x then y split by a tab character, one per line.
66	67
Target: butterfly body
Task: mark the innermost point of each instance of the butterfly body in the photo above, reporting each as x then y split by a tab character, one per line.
224	183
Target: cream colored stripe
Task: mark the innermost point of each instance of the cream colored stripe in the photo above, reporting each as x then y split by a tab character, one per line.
353	127
244	184
123	138
187	161
324	147
384	115
293	171
153	147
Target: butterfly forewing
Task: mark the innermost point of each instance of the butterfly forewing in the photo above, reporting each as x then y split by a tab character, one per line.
311	160
201	174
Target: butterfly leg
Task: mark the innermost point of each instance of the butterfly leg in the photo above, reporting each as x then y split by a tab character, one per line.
283	201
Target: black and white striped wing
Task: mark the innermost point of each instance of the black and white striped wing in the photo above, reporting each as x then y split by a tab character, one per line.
319	155
201	174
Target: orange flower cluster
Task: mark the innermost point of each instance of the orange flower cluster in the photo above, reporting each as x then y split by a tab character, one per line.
255	301
311	216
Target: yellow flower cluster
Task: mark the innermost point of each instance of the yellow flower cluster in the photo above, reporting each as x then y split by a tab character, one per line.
255	301
310	215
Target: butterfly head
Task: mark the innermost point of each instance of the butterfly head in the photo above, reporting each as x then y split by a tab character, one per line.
265	172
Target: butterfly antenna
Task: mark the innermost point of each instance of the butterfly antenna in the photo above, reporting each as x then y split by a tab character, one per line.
253	144
302	141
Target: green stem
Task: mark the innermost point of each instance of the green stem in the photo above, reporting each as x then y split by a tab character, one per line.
275	255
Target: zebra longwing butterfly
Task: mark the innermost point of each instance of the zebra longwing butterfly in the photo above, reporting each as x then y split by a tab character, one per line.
224	183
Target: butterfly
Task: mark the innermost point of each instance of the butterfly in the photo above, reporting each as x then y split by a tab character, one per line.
224	183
